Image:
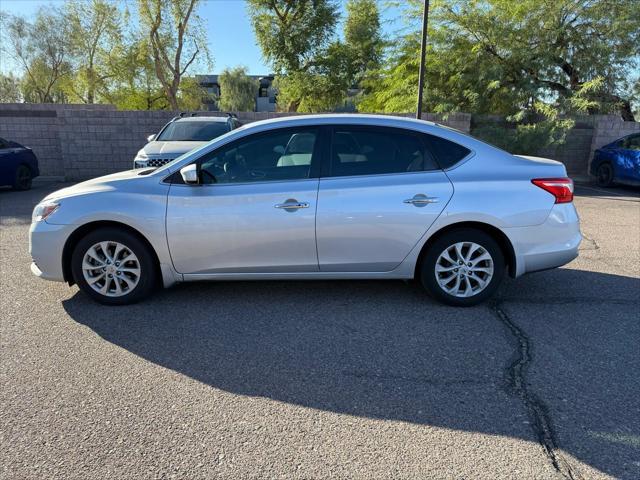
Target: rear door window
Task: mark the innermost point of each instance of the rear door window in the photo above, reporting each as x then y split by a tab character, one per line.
376	151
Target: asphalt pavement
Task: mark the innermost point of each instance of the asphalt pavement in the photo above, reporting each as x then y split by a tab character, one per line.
348	379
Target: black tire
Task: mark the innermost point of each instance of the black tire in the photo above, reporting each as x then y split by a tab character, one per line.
148	277
23	178
428	275
604	175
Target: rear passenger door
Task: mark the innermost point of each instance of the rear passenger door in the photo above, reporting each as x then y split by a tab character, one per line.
381	189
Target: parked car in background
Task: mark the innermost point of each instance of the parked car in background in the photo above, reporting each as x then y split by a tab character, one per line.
18	165
314	197
618	162
180	135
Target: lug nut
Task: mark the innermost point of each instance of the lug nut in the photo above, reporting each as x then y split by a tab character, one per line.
110	276
455	269
118	272
460	262
469	264
118	264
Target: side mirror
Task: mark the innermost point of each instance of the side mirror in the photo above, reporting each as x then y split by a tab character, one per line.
190	174
151	138
279	149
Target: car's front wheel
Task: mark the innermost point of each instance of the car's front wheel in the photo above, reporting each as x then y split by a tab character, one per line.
463	267
113	267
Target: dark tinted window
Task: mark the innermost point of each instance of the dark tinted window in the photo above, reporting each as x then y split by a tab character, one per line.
196	131
371	151
632	142
278	155
447	153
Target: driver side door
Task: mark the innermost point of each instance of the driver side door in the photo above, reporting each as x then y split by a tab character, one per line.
254	209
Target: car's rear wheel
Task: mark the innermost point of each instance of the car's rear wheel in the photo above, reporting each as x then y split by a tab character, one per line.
113	267
23	178
604	175
463	267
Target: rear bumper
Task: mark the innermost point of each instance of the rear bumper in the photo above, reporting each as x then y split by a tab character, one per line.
551	244
46	243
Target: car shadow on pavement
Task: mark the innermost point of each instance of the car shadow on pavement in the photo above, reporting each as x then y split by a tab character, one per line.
385	350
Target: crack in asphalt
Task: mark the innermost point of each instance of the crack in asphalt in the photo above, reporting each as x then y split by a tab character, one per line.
593	244
536	409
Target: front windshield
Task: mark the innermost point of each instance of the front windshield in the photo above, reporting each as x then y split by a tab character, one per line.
196	131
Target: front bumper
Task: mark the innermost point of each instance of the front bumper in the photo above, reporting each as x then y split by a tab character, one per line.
46	243
551	244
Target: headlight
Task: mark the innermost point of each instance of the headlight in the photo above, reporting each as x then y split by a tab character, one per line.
141	160
142	155
43	210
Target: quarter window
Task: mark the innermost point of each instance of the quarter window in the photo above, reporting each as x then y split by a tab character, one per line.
280	155
447	153
372	151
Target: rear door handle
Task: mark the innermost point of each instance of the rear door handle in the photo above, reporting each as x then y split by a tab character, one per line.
420	200
292	205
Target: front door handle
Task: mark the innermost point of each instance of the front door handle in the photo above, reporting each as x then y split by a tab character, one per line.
292	205
420	200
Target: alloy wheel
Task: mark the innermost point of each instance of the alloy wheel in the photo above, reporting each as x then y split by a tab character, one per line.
464	269
111	269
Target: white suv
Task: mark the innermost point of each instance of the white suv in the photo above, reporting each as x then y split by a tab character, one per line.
181	135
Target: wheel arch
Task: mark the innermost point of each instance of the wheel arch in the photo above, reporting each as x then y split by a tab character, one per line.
85	229
497	234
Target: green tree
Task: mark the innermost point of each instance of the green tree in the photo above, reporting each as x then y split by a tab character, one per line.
364	43
500	56
237	90
136	85
41	48
176	39
9	89
298	38
95	42
293	33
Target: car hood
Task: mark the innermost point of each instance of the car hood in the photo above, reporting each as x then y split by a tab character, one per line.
170	148
99	184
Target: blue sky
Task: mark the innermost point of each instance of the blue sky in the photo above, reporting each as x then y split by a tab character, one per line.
231	38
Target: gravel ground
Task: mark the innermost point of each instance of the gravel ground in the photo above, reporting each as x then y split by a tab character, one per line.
328	379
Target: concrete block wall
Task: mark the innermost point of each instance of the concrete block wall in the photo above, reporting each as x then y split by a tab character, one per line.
84	141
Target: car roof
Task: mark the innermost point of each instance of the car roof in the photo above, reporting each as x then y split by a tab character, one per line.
203	119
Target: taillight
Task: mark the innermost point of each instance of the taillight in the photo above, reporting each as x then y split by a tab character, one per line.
561	188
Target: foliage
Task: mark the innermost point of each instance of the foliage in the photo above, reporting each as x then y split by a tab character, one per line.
293	33
174	31
500	56
95	43
42	50
314	68
530	133
363	39
9	89
237	90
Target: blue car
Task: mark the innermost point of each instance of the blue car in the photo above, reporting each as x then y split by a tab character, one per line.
18	165
618	162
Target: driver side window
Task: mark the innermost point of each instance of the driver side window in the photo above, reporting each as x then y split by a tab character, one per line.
273	156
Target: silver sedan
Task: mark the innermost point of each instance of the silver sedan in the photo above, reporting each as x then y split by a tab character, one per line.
314	197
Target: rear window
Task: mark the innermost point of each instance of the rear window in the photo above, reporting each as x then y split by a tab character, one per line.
192	131
446	152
